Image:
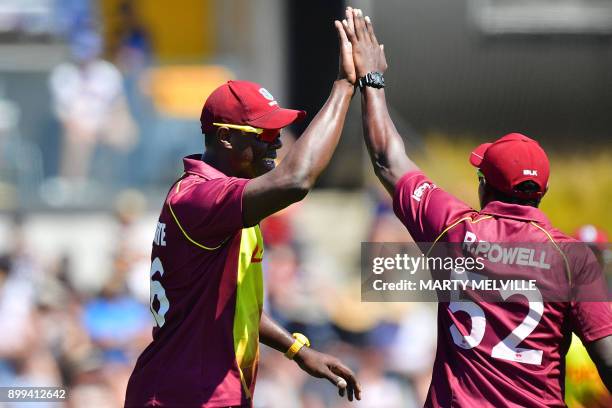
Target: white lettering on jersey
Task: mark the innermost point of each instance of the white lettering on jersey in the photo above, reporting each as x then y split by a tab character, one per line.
160	234
495	253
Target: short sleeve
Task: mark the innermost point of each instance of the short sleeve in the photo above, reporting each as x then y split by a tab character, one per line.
424	208
208	211
591	310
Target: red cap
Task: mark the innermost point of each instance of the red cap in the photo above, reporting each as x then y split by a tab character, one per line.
509	161
245	103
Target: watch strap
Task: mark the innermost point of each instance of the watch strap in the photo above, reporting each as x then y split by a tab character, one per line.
299	342
372	79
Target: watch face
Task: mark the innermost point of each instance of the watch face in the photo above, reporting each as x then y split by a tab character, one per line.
373	79
377	79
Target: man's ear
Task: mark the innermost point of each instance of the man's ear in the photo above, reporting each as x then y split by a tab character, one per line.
223	136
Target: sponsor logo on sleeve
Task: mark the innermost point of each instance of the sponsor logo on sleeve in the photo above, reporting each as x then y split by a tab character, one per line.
418	192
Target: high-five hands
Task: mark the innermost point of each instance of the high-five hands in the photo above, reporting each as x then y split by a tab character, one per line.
368	54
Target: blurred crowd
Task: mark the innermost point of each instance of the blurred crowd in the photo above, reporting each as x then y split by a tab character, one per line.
63	336
101	119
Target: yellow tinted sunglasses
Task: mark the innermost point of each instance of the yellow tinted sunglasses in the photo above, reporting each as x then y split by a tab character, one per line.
267	135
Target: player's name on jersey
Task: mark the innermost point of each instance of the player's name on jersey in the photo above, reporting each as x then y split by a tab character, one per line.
505	253
160	234
456	284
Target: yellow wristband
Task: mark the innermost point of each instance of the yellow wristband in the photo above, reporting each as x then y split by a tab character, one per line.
300	341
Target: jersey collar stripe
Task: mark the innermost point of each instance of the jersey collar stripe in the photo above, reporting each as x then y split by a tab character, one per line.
188	237
453	225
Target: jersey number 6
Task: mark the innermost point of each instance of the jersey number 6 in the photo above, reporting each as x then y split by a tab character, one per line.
158	291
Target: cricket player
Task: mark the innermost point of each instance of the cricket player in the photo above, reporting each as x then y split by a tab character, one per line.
206	271
488	354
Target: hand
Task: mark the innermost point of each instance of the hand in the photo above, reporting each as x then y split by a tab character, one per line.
346	67
368	54
322	365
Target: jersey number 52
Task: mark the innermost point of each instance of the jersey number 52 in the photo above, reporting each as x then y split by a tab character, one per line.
506	349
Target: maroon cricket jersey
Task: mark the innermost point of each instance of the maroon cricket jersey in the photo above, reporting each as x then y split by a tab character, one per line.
206	298
497	354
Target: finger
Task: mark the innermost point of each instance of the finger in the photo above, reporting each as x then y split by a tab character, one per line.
342	385
350	23
350	34
341	33
370	29
334	378
360	30
346	373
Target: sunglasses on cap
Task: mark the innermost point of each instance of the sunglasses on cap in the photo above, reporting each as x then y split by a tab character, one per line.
265	135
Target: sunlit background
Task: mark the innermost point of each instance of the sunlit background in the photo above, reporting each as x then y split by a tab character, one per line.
99	101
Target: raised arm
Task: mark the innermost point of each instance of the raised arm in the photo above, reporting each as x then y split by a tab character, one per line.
298	171
385	145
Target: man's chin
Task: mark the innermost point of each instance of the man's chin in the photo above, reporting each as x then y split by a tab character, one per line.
266	165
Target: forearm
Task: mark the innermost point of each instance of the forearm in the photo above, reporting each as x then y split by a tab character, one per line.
384	143
313	150
600	352
273	335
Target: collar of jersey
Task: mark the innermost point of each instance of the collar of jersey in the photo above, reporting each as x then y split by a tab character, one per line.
515	211
194	165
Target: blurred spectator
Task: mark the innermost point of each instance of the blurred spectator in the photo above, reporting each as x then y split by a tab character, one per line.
20	159
73	16
132	256
16	316
132	48
90	104
385	226
382	389
411	353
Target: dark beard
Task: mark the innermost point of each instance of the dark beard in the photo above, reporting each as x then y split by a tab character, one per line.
265	165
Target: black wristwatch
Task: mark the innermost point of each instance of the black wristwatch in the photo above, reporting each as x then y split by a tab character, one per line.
373	79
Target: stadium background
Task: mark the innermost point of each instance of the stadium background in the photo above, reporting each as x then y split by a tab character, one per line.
81	182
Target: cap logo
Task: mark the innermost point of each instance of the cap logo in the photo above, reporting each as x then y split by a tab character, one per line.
266	94
530	172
